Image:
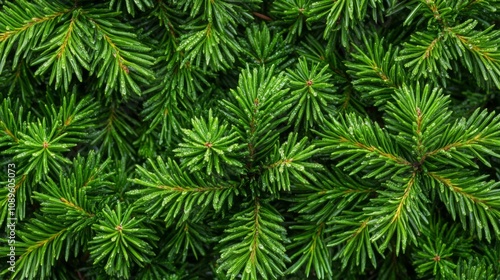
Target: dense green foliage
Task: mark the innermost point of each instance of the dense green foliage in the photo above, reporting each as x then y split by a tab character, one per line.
250	139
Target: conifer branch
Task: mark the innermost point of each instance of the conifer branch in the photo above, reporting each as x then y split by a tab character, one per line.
313	91
188	237
293	14
262	47
353	232
440	249
254	244
8	132
336	13
131	5
127	236
43	148
312	252
476	51
366	143
289	160
210	44
209	145
170	188
427	54
124	59
128	171
42	236
476	135
252	108
420	115
376	70
392	216
114	129
472	199
27	24
4	36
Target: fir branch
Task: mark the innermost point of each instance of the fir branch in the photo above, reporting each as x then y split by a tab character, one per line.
72	118
215	47
20	81
322	208
344	10
289	160
376	72
188	237
472	199
68	214
27	24
257	108
65	199
169	190
367	143
293	14
437	11
182	79
322	200
209	145
63	51
171	97
19	190
477	135
168	17
130	5
114	131
91	173
223	14
312	251
476	50
438	252
339	15
313	94
408	186
353	231
419	118
127	236
475	268
390	213
117	54
313	50
41	148
8	123
254	244
165	114
261	47
428	56
42	236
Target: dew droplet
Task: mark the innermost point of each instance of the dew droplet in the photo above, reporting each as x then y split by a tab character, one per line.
248	268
